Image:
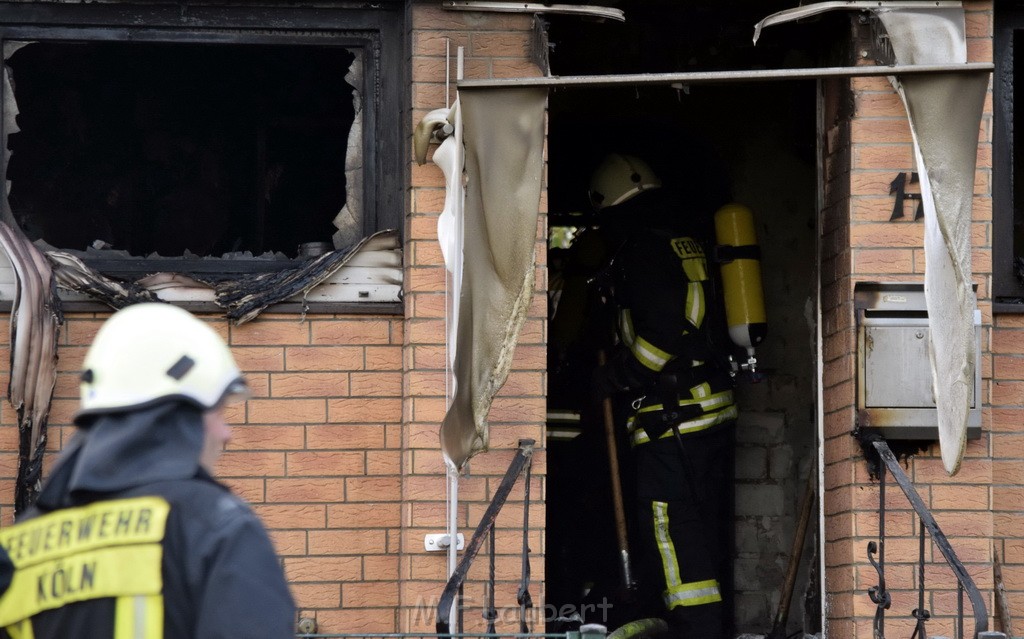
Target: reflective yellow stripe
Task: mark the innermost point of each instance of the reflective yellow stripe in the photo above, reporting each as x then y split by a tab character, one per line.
139	617
75	530
677	593
626	327
649	355
694	593
107	572
21	630
708	402
695	304
695	267
639	436
663	541
106	549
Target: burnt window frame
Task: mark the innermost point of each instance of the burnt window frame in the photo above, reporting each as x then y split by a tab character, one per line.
1007	290
378	32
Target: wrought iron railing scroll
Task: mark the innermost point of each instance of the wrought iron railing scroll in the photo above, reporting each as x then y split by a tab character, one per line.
881	596
521	464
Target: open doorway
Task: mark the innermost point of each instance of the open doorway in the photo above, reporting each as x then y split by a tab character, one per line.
751	143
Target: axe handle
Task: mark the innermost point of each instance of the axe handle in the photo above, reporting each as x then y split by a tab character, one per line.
782	615
617	503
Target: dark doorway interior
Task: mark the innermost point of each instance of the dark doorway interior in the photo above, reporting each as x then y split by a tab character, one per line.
753	143
168	148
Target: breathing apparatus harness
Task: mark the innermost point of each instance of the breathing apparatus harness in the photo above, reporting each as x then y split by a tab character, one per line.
738	311
706	344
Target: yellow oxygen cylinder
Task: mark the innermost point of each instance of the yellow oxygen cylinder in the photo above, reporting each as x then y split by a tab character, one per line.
740	258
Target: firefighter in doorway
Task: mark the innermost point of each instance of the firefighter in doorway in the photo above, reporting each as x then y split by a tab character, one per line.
131	536
678	401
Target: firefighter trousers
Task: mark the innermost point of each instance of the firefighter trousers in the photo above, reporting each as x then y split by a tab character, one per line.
686	525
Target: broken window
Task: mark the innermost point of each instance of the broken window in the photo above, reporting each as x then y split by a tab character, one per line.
164	148
216	141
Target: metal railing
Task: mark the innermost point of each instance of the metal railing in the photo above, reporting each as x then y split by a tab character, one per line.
882	598
521	464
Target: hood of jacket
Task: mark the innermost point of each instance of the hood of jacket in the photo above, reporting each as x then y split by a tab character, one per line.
119	451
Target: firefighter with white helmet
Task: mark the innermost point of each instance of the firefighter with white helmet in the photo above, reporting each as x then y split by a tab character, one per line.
150	353
619	178
140	537
676	400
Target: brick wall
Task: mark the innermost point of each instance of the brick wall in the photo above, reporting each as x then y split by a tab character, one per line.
837	380
860	244
317	450
320	456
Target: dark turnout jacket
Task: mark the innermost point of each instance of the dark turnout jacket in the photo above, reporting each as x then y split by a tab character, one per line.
667	357
132	539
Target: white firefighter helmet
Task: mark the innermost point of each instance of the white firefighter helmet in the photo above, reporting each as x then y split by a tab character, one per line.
148	353
618	178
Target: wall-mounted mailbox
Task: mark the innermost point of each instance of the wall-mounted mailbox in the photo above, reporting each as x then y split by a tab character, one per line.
894	377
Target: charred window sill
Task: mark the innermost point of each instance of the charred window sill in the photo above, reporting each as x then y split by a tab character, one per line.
365	277
208	268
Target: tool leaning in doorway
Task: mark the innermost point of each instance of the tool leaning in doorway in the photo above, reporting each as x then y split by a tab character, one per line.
778	630
621	536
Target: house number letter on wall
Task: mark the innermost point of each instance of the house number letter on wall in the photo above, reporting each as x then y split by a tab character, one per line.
898	187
